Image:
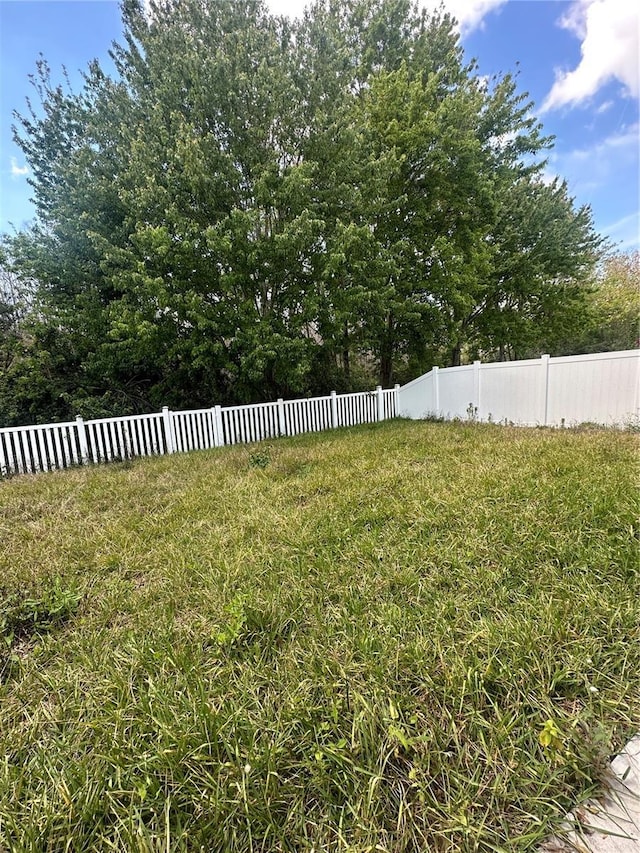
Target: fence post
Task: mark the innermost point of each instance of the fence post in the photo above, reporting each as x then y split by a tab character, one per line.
168	432
436	390
82	440
476	389
380	402
334	410
396	400
282	427
218	429
545	366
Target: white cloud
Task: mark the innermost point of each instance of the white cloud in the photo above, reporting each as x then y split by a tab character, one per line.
18	171
625	233
603	108
621	144
609	31
592	169
469	13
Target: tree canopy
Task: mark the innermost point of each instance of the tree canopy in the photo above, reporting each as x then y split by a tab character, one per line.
253	207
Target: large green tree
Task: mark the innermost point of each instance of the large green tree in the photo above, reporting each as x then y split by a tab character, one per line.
252	207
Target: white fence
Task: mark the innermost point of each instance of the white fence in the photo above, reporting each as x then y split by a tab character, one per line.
47	447
602	388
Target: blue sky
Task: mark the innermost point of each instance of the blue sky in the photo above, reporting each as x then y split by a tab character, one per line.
578	59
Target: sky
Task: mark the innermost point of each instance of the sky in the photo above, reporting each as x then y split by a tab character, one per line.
577	59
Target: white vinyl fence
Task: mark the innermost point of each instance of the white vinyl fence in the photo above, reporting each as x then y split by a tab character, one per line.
602	388
47	447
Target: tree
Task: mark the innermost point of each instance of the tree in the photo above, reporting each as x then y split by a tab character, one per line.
614	306
544	252
253	208
609	317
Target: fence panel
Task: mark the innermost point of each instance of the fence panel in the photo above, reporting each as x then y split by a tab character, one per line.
456	391
112	439
389	404
31	449
601	388
417	399
358	408
243	424
517	395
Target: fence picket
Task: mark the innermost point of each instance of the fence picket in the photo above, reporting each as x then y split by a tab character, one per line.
56	441
121	442
11	459
113	441
16	447
44	461
177	431
64	441
28	452
188	425
195	434
73	444
147	438
186	433
138	436
32	449
24	453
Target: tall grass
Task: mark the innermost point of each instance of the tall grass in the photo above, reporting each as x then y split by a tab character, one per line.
402	637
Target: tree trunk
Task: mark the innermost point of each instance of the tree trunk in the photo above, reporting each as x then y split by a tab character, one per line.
346	361
386	355
456	353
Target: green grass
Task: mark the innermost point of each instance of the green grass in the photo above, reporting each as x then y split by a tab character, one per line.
341	642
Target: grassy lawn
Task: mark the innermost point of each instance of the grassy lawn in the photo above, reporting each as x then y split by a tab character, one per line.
353	641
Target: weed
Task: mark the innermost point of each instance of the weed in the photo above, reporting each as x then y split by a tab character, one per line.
259	458
22	616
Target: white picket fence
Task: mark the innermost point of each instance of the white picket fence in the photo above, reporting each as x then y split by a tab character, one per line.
601	388
30	449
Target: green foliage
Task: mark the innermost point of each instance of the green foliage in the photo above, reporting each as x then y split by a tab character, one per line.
259	458
612	317
253	208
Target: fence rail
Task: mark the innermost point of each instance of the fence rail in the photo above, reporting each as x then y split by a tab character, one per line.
47	447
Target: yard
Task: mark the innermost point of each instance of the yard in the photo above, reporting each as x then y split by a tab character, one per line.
401	637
